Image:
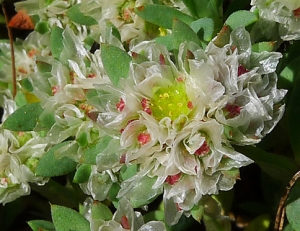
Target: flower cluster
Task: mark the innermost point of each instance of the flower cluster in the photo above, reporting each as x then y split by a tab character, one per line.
167	127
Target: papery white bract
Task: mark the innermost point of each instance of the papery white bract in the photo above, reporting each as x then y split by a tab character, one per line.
286	13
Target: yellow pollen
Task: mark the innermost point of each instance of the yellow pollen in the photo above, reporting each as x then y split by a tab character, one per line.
166	95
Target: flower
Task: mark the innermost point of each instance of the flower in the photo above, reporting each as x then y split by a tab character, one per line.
178	121
285	13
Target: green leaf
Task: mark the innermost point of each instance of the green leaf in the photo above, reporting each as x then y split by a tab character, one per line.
197	211
288	74
263	46
182	33
293	207
82	174
241	18
111	56
66	219
56	41
50	166
166	40
293	119
204	27
75	14
162	15
128	171
207	9
277	166
89	156
40	225
24	118
101	211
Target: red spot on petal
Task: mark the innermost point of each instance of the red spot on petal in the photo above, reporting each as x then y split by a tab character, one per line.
31	53
296	12
146	106
180	79
204	149
190	105
233	110
125	223
92	75
123	158
190	55
120	105
162	60
172	179
143	138
93	115
242	70
134	55
54	89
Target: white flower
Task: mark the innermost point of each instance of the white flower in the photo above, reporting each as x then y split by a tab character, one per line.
286	13
178	123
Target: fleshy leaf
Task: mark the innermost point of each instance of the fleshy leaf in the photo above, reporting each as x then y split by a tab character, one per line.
40	225
66	219
162	15
82	174
49	165
89	156
77	16
204	27
56	41
293	207
24	118
101	211
111	56
182	32
293	119
287	76
241	18
128	171
166	40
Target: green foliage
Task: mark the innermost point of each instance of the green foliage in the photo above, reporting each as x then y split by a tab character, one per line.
24	118
111	56
77	16
40	225
162	16
241	18
50	165
66	219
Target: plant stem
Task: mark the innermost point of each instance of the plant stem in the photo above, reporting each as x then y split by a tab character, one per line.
279	221
12	52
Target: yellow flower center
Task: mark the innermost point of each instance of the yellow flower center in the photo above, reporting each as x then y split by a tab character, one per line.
171	101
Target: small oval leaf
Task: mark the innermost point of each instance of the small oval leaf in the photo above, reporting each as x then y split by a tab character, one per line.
66	219
75	14
40	225
24	118
116	62
241	18
50	166
162	15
